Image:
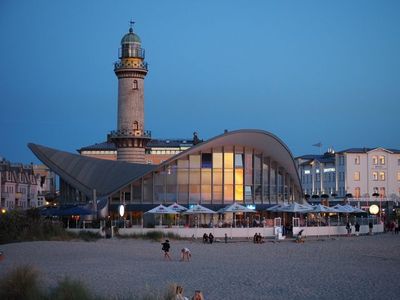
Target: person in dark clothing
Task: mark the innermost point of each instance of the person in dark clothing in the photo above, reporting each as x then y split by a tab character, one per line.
357	228
211	238
205	238
165	247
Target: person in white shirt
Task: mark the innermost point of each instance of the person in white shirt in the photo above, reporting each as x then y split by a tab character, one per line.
185	253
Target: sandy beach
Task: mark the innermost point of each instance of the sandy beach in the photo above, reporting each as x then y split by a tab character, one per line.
365	267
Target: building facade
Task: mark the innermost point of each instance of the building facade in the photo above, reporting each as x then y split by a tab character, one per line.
252	167
24	186
355	173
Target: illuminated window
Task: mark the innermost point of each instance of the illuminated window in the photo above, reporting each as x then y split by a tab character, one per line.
228	160
381	160
217	160
374	160
357	192
357	176
382	192
375	175
357	160
382	176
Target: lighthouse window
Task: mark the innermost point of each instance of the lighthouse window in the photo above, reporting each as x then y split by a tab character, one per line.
135	85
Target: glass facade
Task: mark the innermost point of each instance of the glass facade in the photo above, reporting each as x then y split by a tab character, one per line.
221	175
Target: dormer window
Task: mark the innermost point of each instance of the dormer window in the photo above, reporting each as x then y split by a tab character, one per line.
135	85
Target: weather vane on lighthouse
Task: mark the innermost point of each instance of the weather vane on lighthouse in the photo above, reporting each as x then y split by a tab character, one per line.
131	25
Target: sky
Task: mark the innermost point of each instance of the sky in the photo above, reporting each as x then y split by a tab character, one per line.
306	71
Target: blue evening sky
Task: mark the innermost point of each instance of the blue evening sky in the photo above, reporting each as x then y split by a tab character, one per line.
307	71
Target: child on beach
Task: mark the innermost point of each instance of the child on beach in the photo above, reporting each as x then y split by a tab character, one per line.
185	253
165	248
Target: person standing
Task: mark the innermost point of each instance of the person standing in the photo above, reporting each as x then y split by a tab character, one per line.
396	226
226	238
357	228
165	247
371	227
348	228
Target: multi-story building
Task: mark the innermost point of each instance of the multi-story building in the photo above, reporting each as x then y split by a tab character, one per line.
24	186
353	173
156	150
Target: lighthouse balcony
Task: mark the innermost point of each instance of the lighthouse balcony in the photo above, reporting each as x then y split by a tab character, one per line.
130	65
123	134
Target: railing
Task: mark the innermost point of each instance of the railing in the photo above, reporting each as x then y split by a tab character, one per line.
130	133
130	65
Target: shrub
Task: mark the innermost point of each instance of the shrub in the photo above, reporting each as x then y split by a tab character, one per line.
21	283
68	289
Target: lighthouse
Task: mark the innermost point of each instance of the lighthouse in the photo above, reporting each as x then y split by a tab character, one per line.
130	137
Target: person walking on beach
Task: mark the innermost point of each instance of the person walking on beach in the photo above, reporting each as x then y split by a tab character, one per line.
357	227
165	247
185	253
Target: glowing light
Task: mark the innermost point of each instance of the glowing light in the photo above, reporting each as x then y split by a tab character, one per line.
374	209
251	206
121	210
3	210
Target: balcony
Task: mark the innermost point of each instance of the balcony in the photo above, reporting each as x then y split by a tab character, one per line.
130	65
122	134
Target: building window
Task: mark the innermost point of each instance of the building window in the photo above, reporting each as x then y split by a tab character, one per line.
357	176
357	160
398	161
375	175
382	192
357	192
398	176
382	176
381	160
374	160
135	85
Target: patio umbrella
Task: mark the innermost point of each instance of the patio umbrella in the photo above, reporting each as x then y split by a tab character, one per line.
177	208
237	208
276	207
161	210
321	209
295	208
198	210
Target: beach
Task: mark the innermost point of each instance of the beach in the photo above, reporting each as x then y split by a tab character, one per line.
364	267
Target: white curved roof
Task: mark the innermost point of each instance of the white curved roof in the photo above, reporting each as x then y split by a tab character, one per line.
261	140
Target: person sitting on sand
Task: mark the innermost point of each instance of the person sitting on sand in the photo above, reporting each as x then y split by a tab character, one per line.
198	295
211	238
165	248
205	238
179	293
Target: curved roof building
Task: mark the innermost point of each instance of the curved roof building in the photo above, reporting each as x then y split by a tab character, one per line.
246	166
